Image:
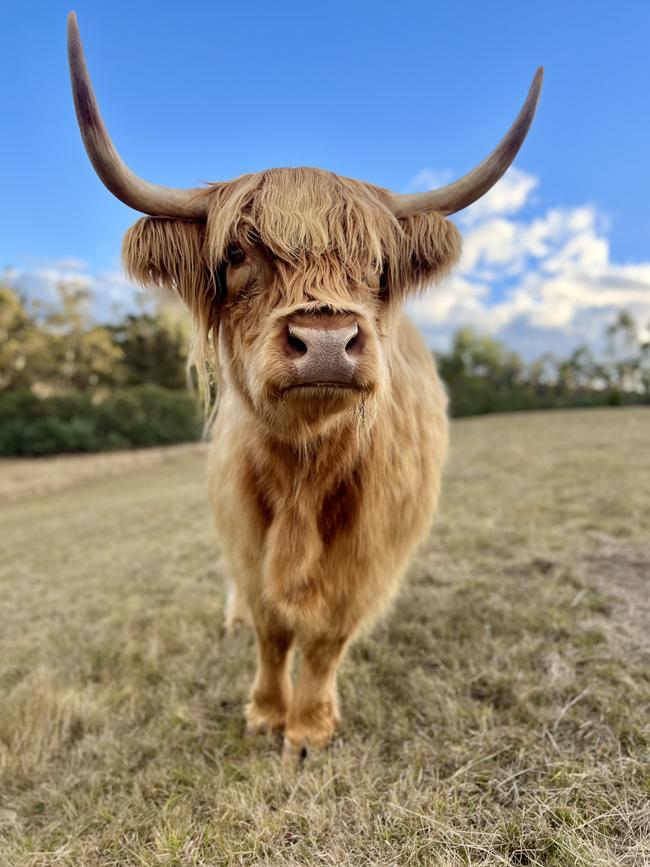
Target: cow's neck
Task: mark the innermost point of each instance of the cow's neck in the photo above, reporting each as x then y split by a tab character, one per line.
311	496
319	462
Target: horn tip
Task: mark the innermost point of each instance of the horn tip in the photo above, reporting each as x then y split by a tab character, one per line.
73	28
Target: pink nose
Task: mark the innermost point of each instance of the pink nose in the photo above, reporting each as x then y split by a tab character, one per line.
323	351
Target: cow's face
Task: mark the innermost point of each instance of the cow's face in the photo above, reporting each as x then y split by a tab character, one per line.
297	275
301	358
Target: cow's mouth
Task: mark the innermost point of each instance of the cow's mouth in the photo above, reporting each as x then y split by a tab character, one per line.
318	386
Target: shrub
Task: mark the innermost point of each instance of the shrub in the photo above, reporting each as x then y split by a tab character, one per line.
145	415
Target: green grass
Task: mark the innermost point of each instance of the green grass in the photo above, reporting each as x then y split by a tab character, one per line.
499	714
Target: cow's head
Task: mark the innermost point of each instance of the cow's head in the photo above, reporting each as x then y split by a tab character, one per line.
293	276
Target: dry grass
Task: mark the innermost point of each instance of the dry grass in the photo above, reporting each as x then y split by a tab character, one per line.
21	477
499	714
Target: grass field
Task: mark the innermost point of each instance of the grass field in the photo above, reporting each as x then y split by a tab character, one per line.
500	713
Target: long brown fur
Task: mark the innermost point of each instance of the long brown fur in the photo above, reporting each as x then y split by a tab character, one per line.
319	501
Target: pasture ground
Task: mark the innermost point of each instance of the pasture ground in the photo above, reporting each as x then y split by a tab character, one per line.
499	714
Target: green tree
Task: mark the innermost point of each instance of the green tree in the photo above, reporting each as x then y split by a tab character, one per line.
23	346
83	355
577	371
154	348
644	361
474	355
625	352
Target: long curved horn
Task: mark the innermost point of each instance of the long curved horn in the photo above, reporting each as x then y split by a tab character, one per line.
118	177
461	193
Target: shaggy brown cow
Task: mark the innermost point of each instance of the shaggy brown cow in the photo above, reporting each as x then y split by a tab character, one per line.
331	428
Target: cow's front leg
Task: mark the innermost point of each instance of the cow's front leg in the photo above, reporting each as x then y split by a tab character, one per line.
271	691
313	713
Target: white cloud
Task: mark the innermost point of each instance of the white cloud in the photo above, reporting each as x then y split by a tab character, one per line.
112	294
540	282
506	197
428	179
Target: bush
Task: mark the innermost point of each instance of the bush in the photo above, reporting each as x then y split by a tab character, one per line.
145	415
474	395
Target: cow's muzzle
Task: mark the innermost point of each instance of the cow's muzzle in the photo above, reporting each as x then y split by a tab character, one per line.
323	349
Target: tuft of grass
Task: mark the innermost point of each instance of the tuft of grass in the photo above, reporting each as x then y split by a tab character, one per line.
497	715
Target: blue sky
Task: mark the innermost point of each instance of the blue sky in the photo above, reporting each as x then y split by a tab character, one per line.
398	94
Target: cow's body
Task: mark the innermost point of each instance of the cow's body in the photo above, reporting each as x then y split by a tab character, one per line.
326	532
317	540
331	430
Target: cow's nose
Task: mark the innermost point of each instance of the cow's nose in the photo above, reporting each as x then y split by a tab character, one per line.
323	355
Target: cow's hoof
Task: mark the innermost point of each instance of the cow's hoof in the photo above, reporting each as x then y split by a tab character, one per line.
263	720
311	733
293	755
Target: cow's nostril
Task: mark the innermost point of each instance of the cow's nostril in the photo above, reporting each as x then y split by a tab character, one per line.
296	343
353	346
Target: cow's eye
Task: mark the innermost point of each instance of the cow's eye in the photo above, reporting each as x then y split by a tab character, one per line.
236	255
383	280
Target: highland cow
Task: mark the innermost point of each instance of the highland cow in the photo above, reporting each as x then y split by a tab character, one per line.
331	431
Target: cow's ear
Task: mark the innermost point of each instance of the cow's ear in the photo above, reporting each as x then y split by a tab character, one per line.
430	246
169	253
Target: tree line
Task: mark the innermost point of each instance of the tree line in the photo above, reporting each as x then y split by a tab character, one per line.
482	375
69	383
